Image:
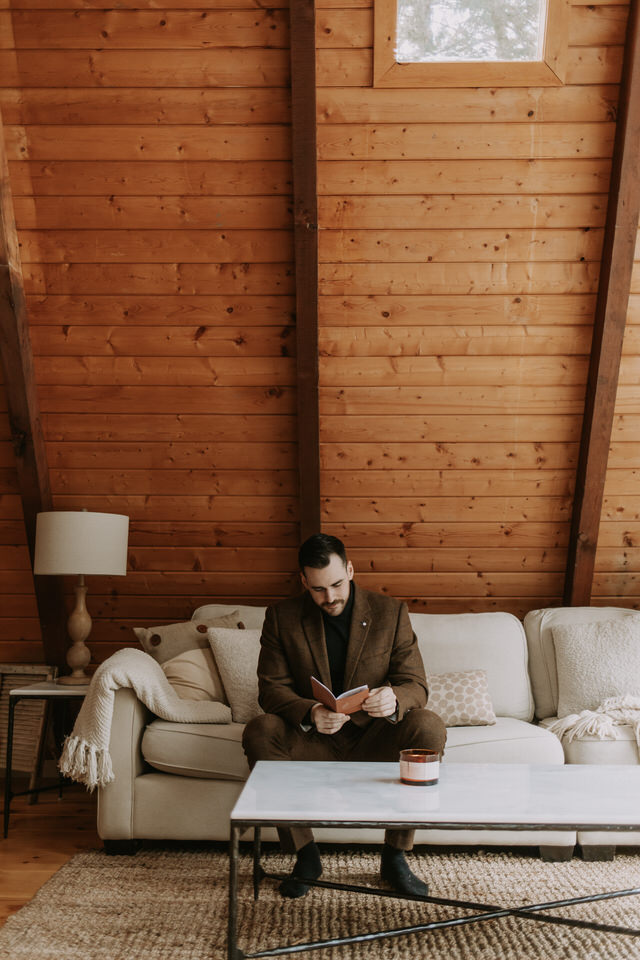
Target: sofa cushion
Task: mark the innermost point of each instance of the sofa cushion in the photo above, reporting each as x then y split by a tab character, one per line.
461	699
591	749
236	653
207	750
214	751
507	741
493	642
596	661
538	626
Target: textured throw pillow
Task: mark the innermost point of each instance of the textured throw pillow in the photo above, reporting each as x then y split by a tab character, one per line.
236	654
183	652
461	699
596	661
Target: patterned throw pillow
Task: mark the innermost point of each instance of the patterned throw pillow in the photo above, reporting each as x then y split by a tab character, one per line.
461	699
174	639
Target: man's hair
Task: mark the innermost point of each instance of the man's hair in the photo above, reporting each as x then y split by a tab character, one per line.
317	551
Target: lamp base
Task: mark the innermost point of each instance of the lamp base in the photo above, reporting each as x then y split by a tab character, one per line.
79	625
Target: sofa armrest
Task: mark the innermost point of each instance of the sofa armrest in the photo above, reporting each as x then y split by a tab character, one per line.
116	800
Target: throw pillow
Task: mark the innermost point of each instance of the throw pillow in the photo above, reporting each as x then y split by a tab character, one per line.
236	654
183	652
596	661
461	699
164	643
194	676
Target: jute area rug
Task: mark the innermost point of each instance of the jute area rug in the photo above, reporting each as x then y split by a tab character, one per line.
171	904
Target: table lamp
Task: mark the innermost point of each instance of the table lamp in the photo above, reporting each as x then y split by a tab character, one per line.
77	542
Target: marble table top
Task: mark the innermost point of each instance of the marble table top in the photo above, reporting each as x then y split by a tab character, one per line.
573	795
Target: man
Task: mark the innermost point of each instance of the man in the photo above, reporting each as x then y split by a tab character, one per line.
345	636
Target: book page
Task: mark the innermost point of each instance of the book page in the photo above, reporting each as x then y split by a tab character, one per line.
347	702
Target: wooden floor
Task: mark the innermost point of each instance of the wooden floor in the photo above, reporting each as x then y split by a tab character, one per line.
42	837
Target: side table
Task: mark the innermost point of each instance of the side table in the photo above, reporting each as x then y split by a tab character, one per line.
49	691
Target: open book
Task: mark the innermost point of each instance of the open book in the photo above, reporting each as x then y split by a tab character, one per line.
347	702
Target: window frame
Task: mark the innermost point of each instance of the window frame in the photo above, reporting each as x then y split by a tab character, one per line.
548	72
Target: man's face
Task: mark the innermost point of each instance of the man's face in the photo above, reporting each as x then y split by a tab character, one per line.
329	586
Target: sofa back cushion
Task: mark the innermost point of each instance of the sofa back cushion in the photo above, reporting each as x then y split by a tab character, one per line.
493	642
538	625
449	643
252	617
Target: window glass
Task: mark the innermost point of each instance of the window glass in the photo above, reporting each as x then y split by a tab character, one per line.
436	31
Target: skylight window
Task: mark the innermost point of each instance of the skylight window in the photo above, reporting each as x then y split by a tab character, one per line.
470	43
437	31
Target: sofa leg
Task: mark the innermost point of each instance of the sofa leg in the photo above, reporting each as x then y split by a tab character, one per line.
552	854
120	848
594	852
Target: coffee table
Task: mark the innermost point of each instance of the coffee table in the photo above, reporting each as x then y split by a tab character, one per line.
491	796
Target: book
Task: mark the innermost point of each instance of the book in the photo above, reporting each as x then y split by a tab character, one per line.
347	702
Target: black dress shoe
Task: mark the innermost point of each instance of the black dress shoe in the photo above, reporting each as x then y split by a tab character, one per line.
395	871
308	867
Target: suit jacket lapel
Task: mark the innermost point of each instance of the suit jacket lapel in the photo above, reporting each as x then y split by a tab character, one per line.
360	625
314	633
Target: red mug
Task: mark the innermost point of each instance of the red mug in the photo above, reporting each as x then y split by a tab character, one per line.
419	767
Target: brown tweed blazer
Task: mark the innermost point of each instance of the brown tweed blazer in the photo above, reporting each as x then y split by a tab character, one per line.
382	649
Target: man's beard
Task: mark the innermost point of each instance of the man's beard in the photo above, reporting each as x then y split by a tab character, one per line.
335	607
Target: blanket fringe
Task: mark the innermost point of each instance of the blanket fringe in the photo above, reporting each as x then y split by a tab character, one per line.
588	723
86	763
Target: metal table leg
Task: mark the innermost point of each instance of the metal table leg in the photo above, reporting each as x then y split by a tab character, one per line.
7	783
258	872
36	774
233	953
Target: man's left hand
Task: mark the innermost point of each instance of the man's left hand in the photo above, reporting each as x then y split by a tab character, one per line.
381	702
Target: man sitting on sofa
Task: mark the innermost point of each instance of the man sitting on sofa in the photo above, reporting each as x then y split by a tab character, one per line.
345	636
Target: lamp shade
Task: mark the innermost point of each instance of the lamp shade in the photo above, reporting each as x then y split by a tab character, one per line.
79	542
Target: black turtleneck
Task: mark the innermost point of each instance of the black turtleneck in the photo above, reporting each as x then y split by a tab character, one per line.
336	632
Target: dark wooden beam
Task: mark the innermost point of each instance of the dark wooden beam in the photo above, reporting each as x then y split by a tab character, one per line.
305	208
611	310
24	417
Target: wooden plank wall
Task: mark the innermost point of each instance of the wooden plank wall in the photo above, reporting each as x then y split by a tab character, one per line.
150	164
461	232
617	567
460	236
19	624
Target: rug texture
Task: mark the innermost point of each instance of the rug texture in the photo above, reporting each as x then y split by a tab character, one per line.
171	904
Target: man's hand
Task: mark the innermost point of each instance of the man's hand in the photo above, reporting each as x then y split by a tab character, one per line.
381	702
326	721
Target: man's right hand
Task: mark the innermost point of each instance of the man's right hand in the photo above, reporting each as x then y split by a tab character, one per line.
326	721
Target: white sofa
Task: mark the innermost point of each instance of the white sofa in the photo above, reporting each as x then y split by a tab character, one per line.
539	625
180	781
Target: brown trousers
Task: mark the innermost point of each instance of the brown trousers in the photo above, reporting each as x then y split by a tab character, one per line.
269	737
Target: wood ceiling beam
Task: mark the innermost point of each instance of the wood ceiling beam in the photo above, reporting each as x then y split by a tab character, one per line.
24	417
611	311
305	208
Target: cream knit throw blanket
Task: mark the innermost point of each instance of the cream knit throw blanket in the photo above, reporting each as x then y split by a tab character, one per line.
602	721
85	756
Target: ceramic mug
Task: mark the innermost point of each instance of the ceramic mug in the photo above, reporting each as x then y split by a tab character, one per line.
419	767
